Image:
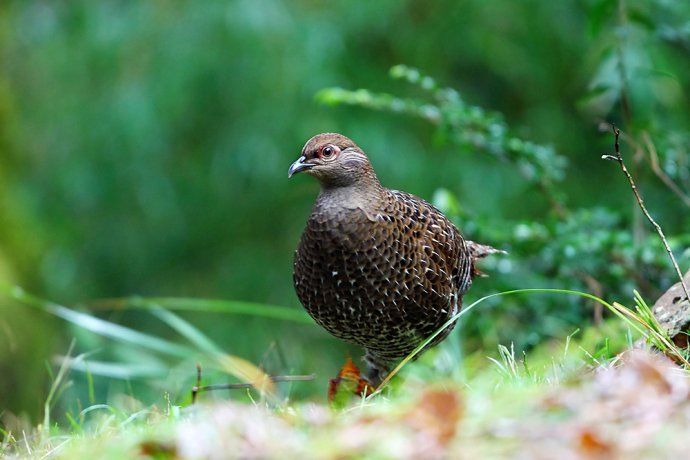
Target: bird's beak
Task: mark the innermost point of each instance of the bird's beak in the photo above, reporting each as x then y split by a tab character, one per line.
299	166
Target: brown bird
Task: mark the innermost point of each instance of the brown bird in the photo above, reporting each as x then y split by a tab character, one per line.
380	268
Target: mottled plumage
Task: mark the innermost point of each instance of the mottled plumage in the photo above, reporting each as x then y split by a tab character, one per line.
377	267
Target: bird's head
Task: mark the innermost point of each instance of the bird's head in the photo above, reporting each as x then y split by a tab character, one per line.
334	160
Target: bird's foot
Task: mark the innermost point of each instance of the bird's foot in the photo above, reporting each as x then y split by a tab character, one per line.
349	381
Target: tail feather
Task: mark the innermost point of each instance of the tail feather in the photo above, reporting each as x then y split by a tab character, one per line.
479	251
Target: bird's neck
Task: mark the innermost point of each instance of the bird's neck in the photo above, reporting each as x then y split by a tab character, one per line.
355	196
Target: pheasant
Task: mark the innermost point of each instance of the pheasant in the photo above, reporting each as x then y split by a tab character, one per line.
380	268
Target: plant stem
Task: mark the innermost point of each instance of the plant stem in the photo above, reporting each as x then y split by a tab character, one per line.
619	158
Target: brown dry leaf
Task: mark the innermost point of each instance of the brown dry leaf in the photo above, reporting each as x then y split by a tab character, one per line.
624	409
437	413
420	429
592	446
651	370
234	430
158	450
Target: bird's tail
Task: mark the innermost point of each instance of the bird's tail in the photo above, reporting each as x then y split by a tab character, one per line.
479	251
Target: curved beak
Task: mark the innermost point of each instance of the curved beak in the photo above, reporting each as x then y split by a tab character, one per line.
299	166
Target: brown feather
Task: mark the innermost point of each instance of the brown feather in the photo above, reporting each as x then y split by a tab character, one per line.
380	268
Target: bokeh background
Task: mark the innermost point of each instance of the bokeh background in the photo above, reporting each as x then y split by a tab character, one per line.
144	149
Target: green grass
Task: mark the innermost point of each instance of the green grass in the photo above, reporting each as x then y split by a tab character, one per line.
584	395
569	403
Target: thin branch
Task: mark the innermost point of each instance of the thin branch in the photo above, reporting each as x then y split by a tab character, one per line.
198	388
619	158
654	160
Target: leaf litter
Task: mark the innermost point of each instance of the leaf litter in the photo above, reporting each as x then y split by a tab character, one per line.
637	406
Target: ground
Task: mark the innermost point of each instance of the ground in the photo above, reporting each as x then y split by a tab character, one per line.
635	405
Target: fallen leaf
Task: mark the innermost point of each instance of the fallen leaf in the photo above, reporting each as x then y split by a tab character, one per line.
437	412
592	445
158	450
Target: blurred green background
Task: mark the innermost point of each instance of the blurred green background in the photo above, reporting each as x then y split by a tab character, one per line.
144	148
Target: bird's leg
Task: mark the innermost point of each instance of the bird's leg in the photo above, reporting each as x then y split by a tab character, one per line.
378	368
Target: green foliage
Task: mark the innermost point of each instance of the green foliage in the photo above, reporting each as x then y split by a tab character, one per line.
583	248
144	148
469	127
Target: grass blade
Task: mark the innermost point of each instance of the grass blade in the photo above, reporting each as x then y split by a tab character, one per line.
204	305
184	328
122	371
238	367
99	326
59	378
625	314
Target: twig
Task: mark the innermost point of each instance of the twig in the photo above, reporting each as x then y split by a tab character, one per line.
198	388
619	158
195	388
654	160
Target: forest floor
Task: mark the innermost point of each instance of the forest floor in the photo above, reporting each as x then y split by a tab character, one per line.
635	404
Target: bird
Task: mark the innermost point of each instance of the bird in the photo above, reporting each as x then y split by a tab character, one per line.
376	267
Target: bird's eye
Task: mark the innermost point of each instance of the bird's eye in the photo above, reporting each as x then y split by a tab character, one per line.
327	151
